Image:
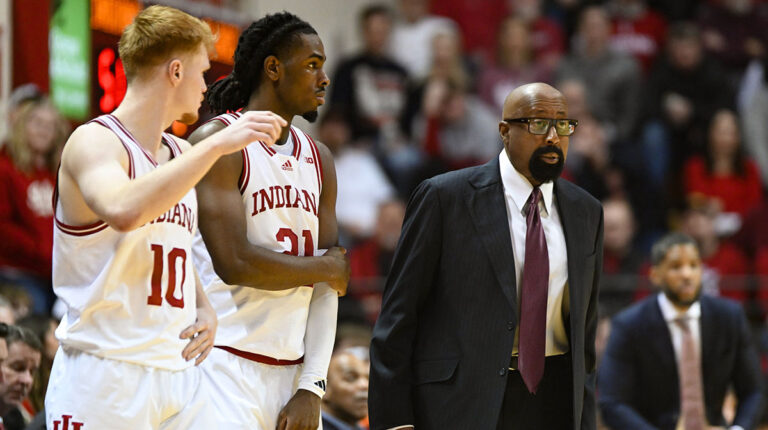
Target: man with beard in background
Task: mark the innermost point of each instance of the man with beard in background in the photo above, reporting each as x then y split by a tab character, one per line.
672	358
346	402
489	314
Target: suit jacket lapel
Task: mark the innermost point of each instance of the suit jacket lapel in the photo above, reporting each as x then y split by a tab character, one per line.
572	217
663	349
489	214
707	336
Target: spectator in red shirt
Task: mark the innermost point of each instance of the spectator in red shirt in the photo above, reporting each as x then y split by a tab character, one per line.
369	262
28	163
724	178
735	32
514	65
637	30
547	38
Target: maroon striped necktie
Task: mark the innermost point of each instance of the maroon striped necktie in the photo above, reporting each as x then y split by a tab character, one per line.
533	298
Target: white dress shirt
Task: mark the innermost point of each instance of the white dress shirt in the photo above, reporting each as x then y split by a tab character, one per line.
693	315
517	190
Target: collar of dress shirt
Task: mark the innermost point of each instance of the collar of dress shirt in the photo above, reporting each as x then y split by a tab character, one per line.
670	312
518	187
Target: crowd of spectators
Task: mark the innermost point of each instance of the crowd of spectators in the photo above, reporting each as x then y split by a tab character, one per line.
671	99
672	103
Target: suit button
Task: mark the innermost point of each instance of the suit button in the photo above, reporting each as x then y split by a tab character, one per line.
510	326
502	371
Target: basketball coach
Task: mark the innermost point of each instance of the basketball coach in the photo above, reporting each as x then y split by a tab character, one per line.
490	309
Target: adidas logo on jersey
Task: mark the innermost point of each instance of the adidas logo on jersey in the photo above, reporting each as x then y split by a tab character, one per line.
287	166
321	384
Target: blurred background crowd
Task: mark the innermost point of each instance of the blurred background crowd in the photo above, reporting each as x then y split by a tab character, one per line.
671	99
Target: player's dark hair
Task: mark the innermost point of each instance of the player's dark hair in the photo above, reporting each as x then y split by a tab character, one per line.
662	246
270	35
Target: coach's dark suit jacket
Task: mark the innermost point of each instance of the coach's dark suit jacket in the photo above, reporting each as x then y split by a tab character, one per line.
442	344
638	377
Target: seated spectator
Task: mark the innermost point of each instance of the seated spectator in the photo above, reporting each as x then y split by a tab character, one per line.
28	164
7	316
370	87
637	30
588	158
623	262
684	90
447	64
345	402
514	64
725	264
547	38
44	328
612	78
369	261
362	184
19	370
478	24
411	43
734	31
672	358
723	178
753	110
456	128
17	301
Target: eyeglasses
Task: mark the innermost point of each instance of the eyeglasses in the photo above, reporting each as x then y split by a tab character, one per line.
563	127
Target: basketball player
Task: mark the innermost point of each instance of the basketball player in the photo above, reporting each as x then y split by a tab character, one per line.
264	213
125	215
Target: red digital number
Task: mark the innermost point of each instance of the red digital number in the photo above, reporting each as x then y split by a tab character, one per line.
112	82
156	298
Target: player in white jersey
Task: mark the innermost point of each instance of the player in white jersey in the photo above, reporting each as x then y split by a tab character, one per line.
137	320
264	213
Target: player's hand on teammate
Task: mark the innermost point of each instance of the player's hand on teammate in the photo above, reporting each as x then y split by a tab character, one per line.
252	126
340	269
201	335
302	412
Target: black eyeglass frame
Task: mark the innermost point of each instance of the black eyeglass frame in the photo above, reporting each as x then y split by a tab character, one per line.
552	122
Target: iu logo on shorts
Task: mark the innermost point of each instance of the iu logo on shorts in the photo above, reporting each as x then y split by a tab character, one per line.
63	424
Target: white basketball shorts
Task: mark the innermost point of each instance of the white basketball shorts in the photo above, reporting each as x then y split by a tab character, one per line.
90	392
246	394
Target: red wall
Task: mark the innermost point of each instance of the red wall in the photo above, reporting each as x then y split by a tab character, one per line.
31	21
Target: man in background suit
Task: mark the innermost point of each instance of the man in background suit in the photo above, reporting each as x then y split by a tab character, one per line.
675	339
484	285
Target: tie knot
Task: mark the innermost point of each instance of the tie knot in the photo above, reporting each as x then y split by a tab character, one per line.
533	199
682	322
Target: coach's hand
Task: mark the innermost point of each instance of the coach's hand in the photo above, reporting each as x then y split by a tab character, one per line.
200	334
340	271
302	412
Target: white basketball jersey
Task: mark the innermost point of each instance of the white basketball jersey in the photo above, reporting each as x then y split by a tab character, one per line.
281	194
129	295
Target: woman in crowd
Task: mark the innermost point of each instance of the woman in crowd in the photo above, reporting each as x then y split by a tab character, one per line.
28	163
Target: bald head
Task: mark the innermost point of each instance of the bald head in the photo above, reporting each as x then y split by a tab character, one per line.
538	157
526	96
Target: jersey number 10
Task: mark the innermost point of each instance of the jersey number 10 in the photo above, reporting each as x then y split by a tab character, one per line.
155	298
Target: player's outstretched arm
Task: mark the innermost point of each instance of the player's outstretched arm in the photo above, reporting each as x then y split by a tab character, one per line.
223	227
95	163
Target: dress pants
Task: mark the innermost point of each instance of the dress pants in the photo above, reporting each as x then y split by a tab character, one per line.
552	405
